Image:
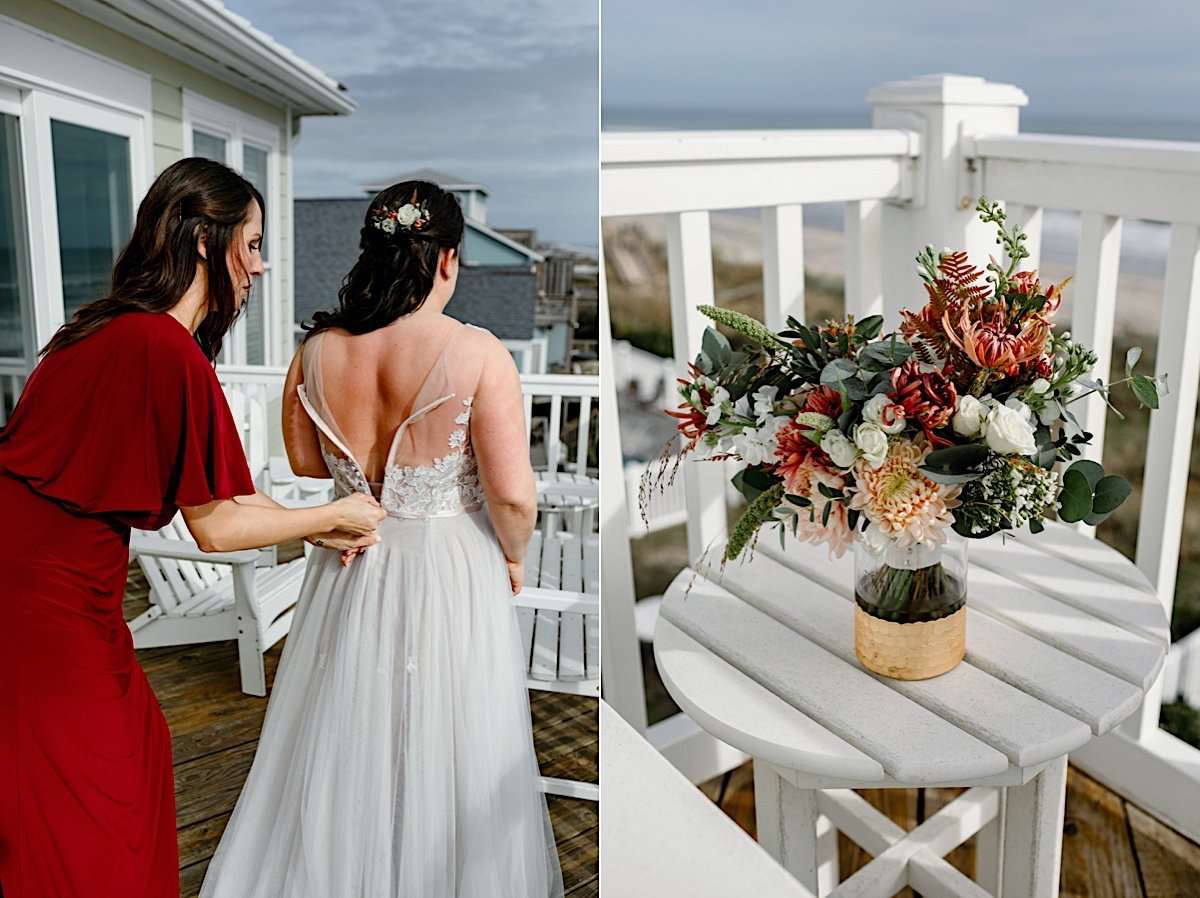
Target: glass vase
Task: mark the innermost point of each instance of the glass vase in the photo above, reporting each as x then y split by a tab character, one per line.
910	615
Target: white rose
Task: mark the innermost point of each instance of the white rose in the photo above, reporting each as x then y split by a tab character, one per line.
839	448
873	442
876	409
1007	429
876	539
406	215
968	416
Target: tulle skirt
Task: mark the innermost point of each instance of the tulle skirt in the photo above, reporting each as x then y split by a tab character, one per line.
396	758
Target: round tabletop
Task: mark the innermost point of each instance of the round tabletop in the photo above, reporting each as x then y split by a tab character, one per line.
1064	637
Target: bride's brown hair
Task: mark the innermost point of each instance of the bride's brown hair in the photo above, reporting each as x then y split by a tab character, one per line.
396	269
192	197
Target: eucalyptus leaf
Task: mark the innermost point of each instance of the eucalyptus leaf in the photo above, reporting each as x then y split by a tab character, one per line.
1110	492
1131	359
1075	500
885	355
1145	389
938	476
957	459
870	326
1091	470
1036	525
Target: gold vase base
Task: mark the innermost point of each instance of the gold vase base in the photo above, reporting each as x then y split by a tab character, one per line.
910	651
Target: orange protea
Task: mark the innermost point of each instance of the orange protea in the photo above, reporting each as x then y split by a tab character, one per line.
995	346
905	504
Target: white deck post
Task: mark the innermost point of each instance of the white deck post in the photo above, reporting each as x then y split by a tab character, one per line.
948	110
620	652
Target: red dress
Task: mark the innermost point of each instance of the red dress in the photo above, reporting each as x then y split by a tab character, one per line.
117	430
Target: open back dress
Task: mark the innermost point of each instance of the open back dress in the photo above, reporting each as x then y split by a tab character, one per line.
396	758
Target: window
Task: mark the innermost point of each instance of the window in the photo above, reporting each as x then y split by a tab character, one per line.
95	214
251	146
12	239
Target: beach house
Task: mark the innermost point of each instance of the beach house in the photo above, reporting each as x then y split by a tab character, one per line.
95	99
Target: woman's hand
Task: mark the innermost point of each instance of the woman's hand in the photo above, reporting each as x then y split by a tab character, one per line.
358	514
342	541
516	574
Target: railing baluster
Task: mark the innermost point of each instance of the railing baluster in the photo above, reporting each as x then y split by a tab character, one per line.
581	442
1168	449
1030	220
621	661
689	269
783	264
1092	312
864	253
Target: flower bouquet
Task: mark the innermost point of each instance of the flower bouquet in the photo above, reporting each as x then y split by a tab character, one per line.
906	444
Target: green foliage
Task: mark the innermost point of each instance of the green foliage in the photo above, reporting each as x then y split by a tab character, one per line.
1182	721
759	511
1089	495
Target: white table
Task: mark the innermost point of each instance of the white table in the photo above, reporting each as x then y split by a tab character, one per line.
1064	637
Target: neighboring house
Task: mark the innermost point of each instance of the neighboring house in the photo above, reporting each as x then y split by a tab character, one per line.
97	97
498	279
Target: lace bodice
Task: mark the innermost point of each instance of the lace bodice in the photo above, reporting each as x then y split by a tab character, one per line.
447	485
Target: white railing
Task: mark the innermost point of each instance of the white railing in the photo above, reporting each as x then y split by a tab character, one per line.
560	400
1181	671
904	188
12	381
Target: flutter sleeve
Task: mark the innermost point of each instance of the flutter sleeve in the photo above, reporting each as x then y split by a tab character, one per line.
130	422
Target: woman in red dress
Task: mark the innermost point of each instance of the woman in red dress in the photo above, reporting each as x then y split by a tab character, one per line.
122	423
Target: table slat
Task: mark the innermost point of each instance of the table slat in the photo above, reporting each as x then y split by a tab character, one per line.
911	743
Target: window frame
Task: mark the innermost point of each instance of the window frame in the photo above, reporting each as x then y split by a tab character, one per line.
240	129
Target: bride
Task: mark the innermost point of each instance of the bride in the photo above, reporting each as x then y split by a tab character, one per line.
396	758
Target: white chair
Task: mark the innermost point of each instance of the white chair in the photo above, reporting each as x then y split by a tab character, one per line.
558	613
198	596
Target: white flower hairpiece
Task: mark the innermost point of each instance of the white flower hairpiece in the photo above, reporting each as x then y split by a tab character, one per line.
412	216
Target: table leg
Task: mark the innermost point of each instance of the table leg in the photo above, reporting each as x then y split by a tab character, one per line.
793	831
989	851
1033	823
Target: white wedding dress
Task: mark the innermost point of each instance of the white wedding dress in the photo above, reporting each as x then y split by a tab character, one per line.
396	758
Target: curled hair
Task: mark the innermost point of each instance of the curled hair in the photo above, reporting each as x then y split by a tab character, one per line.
395	271
192	197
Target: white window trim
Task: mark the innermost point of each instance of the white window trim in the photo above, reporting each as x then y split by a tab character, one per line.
239	129
43	77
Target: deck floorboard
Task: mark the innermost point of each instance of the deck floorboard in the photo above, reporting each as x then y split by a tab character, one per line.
1111	848
215	729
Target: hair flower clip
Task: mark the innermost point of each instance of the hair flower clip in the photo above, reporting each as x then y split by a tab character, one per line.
412	216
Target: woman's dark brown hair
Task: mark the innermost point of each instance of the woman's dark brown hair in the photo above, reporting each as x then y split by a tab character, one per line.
191	198
395	270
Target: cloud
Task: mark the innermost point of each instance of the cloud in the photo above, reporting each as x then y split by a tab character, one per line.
1109	57
504	94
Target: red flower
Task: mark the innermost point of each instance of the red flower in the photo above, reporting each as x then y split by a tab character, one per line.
798	455
927	398
693	422
824	400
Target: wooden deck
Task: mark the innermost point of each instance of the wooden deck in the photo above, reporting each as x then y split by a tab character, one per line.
215	728
1111	848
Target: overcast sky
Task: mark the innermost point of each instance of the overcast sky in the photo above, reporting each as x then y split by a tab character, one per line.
502	93
1101	58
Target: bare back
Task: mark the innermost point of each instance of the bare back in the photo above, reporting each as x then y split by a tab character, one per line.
367	385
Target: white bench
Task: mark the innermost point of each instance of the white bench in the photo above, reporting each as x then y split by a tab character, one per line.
558	614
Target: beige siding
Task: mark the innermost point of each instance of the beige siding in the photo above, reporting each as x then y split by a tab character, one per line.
169	78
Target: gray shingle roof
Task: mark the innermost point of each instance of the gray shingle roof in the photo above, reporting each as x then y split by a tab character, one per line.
498	298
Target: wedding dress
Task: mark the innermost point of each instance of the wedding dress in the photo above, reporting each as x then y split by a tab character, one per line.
396	758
